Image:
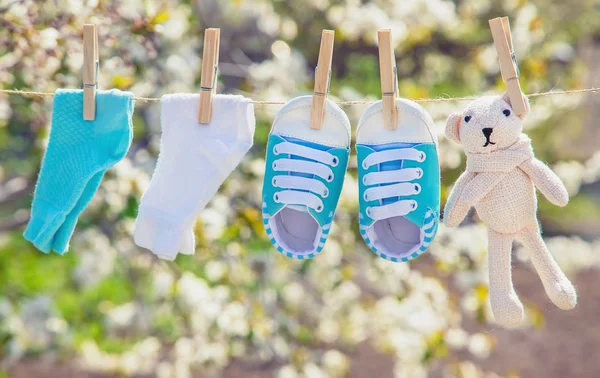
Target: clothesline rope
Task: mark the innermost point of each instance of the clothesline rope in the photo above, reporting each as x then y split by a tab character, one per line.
358	102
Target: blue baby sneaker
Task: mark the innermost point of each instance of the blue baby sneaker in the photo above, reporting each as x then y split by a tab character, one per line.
304	174
399	181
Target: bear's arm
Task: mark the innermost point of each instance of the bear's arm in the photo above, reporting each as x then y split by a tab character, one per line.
480	186
455	210
547	182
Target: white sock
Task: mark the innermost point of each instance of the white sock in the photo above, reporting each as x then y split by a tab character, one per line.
194	161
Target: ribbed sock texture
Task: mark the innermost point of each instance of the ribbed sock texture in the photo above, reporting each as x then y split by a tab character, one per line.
78	154
194	161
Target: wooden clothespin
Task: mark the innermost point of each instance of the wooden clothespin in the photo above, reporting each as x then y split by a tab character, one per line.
210	70
90	71
322	79
509	66
389	78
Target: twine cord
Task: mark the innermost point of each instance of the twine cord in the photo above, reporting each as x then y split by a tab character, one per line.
358	102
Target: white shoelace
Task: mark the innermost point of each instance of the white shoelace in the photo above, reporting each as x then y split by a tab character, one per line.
398	180
298	190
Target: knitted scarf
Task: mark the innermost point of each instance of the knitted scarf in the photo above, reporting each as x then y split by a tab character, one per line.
501	160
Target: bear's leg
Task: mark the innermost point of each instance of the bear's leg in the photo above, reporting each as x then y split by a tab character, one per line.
506	306
558	287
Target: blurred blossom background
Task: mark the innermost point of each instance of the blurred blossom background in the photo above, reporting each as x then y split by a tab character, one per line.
237	308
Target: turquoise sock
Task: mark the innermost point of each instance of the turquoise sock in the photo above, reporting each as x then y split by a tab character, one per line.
78	154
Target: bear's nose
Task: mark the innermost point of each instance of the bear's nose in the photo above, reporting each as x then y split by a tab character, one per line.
487	131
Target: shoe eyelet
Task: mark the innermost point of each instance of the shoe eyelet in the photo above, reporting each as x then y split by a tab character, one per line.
417	188
275	151
414	205
368	211
329	178
364	180
365	197
334	162
325	193
274	182
319	208
419	173
422	157
276	198
274	165
364	165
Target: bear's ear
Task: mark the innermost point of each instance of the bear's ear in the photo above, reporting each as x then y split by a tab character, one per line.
453	127
506	98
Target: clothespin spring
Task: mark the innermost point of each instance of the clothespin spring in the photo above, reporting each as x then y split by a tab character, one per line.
95	83
513	56
328	83
214	83
393	94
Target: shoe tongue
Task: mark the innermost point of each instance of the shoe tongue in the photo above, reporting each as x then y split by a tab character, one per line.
390	166
301	208
301	142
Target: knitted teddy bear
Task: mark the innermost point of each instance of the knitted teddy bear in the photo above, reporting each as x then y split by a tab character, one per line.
499	181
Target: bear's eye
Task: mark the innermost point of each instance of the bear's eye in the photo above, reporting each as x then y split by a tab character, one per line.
506	112
467	118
